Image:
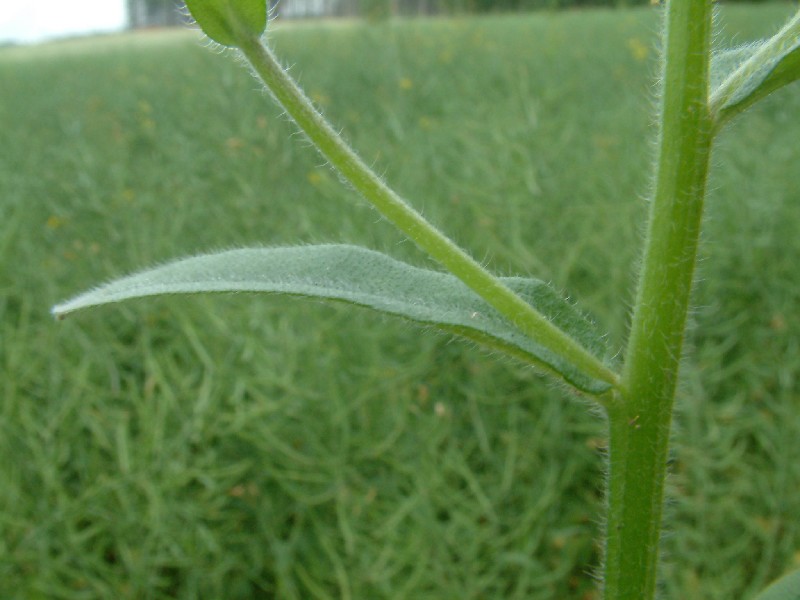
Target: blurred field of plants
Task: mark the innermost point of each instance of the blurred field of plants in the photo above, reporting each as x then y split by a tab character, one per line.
226	446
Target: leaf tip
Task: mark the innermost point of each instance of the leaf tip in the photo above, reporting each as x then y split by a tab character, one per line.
58	312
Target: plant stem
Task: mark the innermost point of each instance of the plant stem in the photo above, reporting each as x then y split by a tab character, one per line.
406	219
640	416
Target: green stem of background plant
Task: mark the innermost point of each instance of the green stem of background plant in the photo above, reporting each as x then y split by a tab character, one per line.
640	416
410	222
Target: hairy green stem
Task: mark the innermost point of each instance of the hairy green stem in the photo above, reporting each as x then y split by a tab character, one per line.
397	211
640	415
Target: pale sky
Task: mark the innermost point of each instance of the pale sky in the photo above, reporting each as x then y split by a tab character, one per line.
37	20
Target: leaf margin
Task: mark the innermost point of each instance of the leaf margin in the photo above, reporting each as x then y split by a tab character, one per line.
786	587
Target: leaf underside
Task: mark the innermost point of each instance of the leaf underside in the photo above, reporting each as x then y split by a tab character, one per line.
370	279
756	81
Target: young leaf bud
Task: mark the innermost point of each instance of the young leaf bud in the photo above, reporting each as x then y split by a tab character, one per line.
228	21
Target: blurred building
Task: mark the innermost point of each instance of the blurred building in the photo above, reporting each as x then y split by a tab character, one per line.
164	13
155	13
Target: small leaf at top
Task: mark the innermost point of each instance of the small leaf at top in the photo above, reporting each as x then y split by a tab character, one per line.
366	278
225	21
785	588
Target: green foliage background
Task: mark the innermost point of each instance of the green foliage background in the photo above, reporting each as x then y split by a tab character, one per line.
247	447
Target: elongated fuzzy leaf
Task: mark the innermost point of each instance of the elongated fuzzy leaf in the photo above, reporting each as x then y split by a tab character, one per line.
365	278
224	20
744	75
786	588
